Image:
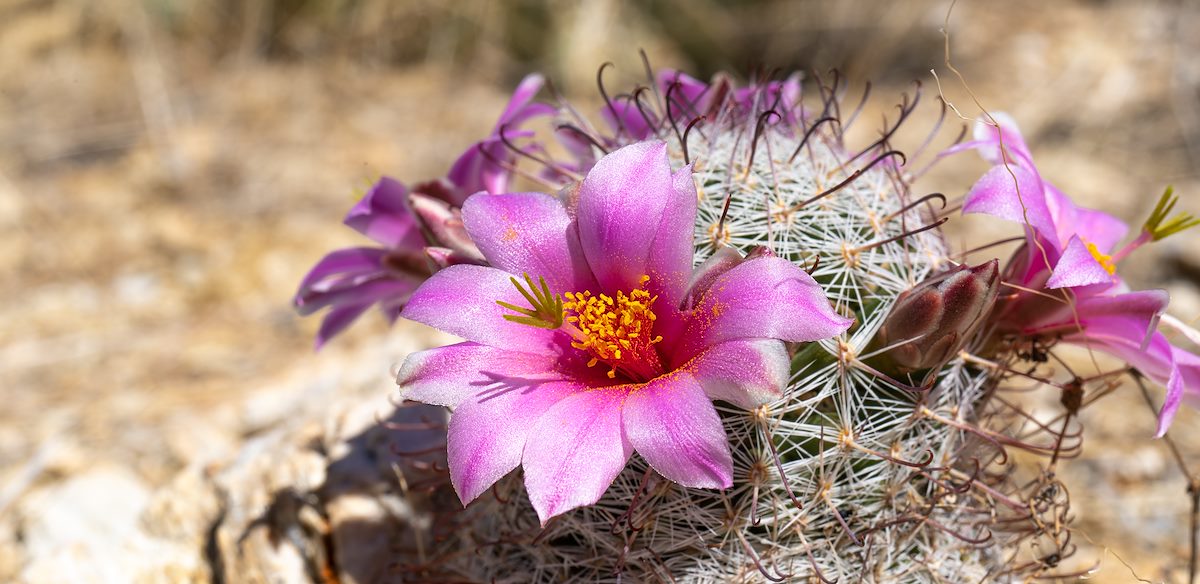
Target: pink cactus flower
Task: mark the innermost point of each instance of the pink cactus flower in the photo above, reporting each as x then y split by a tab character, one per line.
1067	268
349	281
590	336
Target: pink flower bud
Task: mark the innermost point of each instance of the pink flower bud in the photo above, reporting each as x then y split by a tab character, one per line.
444	226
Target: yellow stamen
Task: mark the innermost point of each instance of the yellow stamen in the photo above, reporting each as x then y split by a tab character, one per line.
617	331
1104	259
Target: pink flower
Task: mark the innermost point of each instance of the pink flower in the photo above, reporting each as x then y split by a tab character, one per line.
1071	248
619	346
350	281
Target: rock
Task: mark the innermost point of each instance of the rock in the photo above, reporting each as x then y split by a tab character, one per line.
87	529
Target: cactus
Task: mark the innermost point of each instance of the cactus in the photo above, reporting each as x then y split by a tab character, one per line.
885	458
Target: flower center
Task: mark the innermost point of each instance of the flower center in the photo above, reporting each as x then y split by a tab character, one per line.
616	331
1104	259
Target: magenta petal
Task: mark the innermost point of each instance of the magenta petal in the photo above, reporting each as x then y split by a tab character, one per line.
1188	365
674	426
337	320
1022	201
621	205
1097	227
1125	338
670	263
352	261
683	88
382	215
764	298
746	372
461	300
519	107
1133	314
487	432
575	451
365	290
1077	267
446	376
529	233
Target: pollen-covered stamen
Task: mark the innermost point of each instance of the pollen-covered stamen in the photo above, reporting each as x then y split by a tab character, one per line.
616	331
1105	260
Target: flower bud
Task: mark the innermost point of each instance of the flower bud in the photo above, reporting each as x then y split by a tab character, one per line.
444	226
932	322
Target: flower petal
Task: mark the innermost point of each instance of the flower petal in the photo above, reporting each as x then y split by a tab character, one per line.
447	376
621	204
461	300
575	451
352	261
989	138
366	290
766	298
337	320
1123	338
670	263
519	107
528	233
1077	267
383	216
487	432
746	372
674	426
1097	227
1022	201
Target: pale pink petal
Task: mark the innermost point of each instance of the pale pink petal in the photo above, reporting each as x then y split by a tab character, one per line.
1022	200
1077	267
621	206
574	451
461	300
763	298
446	376
528	233
989	139
746	372
487	431
675	427
1092	226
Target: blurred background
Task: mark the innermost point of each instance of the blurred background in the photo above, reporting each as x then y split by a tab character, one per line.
169	169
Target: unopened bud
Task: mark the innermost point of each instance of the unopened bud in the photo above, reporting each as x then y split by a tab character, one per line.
444	226
444	257
932	322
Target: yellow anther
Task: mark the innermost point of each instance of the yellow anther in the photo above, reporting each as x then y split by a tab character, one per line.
616	330
1102	258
